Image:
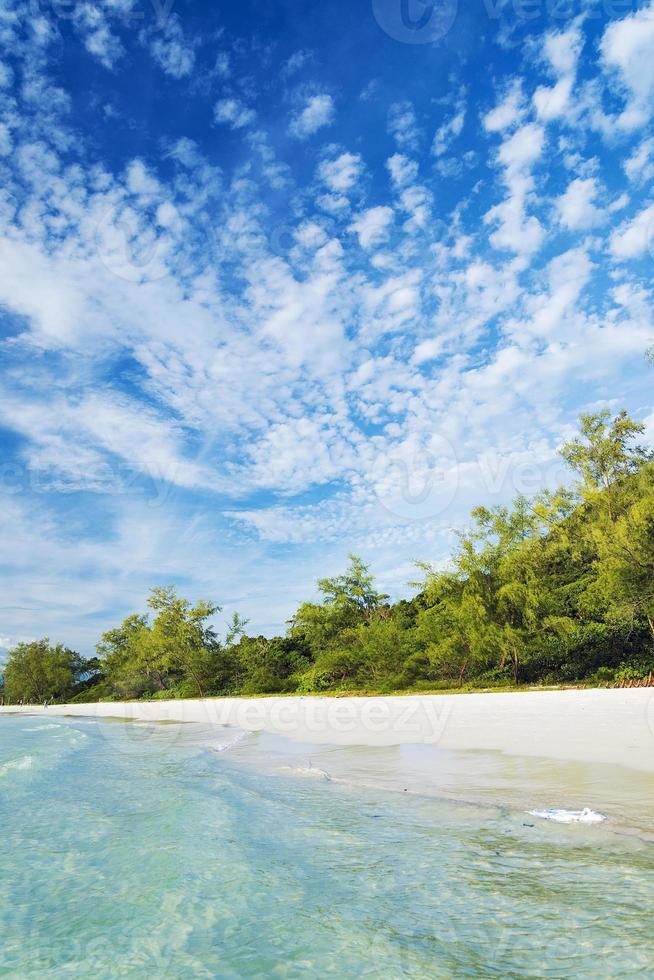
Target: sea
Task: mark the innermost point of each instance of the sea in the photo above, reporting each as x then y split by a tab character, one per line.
143	850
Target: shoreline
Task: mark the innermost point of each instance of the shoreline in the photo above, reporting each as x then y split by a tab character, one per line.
612	726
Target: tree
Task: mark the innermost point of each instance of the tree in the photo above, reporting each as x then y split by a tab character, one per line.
181	643
349	599
38	672
626	557
354	591
269	665
179	647
118	651
603	455
559	588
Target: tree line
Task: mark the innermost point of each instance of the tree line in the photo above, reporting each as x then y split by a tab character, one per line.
556	589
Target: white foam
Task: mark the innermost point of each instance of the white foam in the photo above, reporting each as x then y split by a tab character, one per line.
20	764
230	743
313	772
559	815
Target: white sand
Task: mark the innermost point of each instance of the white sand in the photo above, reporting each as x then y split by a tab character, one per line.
595	726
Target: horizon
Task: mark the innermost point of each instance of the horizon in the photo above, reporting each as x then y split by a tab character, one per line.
279	287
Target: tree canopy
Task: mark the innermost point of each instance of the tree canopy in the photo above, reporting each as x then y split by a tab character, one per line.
554	589
38	672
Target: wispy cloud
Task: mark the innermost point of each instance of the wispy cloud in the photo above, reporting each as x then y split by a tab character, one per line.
241	328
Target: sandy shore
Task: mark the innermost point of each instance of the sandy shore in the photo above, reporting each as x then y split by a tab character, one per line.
594	726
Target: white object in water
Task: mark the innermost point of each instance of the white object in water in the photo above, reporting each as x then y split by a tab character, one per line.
569	816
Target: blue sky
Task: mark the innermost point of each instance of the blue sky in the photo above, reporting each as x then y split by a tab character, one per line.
281	281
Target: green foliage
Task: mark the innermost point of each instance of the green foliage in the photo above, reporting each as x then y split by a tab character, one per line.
37	672
177	649
554	590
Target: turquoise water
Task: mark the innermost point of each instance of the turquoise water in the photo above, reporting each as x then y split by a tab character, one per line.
142	851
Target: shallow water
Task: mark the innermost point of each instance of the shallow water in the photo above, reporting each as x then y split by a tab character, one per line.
134	850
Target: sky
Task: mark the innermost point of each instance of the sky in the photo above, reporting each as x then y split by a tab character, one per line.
279	282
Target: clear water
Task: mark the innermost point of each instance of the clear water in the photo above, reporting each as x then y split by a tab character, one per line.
145	851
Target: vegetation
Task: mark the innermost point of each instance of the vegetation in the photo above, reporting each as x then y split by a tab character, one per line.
40	672
554	590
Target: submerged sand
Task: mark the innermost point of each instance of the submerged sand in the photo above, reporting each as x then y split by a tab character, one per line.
613	726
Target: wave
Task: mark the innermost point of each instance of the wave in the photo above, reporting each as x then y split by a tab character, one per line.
230	743
559	815
43	728
313	772
25	762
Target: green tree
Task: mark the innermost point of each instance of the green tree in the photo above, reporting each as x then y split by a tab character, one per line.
604	455
179	647
554	589
38	672
353	591
267	665
349	599
626	557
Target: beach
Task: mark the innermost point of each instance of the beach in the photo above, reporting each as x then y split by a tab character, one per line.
422	836
603	727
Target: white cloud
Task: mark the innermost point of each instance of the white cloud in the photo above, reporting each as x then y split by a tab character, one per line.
626	49
318	112
6	142
171	51
371	225
576	208
518	231
552	312
260	354
99	40
562	49
429	349
233	113
104	45
552	102
6	75
341	173
73	441
639	168
523	148
403	125
139	181
448	132
402	170
508	113
634	237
